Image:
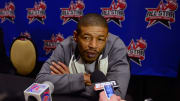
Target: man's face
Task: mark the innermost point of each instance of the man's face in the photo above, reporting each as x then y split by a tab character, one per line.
91	41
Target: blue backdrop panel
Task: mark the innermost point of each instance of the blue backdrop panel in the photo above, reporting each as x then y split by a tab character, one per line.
153	49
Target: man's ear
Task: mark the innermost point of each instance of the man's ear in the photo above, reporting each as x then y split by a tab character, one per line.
107	36
75	35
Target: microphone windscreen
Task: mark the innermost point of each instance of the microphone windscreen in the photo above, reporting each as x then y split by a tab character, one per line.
98	76
51	86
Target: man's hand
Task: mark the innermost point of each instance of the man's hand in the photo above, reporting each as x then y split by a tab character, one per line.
59	68
103	97
87	79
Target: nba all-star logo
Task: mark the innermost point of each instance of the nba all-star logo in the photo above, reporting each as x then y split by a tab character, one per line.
7	13
23	36
51	44
74	12
37	13
115	12
136	51
164	14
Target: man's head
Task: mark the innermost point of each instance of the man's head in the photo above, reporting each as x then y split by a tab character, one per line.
91	36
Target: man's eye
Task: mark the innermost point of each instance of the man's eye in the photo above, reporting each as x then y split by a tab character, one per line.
101	39
87	38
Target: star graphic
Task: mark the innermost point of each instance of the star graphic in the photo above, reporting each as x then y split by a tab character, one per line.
7	13
67	19
141	45
136	60
7	18
40	19
153	21
117	19
166	23
77	6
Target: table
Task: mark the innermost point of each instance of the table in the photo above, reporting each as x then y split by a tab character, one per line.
13	86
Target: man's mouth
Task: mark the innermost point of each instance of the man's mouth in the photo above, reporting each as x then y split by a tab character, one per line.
91	54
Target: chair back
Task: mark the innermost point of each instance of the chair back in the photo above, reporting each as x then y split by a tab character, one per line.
23	55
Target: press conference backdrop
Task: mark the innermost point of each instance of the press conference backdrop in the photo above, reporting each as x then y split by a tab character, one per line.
149	28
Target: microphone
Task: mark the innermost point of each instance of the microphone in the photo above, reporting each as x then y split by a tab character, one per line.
100	80
101	83
98	76
39	92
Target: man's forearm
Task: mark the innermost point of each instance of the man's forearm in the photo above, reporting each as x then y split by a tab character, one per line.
64	83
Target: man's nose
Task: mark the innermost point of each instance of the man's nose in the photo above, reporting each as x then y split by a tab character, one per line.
93	43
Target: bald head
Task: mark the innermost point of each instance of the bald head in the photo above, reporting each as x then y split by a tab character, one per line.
92	19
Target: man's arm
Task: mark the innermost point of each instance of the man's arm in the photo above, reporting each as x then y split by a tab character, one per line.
119	68
64	83
59	69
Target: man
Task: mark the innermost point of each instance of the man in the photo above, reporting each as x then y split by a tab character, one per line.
91	48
